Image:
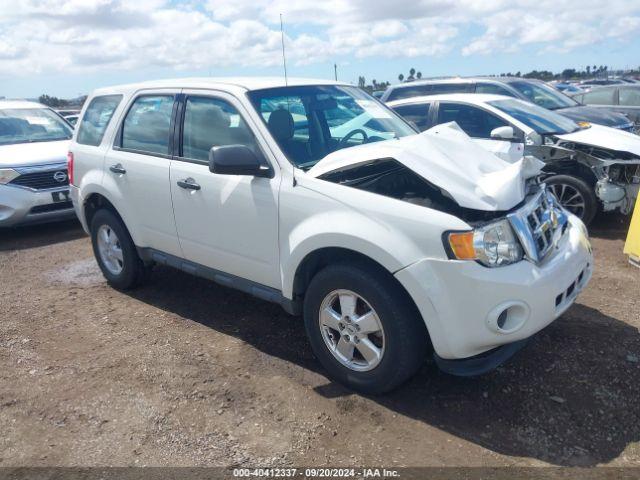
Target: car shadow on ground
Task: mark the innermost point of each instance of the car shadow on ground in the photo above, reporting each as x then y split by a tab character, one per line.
610	226
570	397
33	236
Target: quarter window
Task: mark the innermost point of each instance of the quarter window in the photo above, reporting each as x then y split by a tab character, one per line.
146	127
211	122
416	114
474	121
96	118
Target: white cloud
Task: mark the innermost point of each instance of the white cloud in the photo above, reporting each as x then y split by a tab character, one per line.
77	36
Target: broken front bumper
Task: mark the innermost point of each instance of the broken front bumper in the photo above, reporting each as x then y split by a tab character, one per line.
462	302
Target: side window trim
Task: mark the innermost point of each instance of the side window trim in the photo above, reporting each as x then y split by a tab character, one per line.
178	135
117	141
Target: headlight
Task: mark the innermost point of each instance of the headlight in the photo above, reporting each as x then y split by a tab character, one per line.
7	174
493	245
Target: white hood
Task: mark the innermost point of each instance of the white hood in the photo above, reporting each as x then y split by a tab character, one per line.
446	157
36	153
605	137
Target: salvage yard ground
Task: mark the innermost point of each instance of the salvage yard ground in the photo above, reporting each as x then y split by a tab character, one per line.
185	372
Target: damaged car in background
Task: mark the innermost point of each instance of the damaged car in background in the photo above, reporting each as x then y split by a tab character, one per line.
588	167
388	242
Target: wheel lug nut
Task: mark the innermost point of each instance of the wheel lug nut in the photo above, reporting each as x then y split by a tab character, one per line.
347	338
341	326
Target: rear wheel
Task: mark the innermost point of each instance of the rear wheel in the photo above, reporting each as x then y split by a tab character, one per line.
575	195
115	252
363	328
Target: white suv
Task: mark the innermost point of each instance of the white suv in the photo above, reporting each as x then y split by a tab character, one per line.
386	241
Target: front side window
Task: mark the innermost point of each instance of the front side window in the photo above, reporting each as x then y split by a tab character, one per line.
211	122
96	118
539	119
28	125
544	96
309	122
599	96
146	127
418	114
475	122
630	97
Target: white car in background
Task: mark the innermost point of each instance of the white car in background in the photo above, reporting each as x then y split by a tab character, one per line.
587	165
34	183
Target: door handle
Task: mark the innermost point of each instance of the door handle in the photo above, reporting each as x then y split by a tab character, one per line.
117	168
188	184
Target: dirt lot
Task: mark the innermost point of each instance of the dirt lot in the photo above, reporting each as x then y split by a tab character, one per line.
185	372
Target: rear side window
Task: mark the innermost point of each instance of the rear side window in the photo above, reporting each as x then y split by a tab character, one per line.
147	124
416	114
408	92
438	88
599	96
630	97
96	118
492	89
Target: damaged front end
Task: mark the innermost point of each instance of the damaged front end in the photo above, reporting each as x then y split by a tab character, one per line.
617	174
616	166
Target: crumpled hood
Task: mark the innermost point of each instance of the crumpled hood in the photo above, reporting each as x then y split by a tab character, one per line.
599	116
36	153
446	157
605	137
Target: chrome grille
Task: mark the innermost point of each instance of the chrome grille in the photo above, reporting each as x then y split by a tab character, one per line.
539	224
42	177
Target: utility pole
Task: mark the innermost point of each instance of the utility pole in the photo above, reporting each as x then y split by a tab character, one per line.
335	71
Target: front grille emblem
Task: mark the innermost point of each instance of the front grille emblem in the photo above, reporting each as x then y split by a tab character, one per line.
60	176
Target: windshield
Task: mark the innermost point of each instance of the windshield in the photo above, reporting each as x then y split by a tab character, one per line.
26	125
541	120
309	122
544	96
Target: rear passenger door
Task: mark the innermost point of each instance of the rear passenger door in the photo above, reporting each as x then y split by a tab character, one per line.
137	170
478	124
226	222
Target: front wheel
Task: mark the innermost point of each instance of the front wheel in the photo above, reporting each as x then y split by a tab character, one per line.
575	195
363	328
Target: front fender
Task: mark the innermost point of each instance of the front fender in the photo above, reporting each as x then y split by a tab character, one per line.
386	246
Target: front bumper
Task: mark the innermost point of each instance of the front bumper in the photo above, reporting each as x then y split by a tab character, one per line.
20	206
461	302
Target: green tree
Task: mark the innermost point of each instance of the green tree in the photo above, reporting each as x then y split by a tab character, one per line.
419	75
401	77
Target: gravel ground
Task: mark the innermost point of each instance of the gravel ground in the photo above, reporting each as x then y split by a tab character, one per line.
185	372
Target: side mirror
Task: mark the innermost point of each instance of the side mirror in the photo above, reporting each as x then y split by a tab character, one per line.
503	133
237	160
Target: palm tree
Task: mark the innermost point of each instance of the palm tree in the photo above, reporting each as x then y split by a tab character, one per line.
401	77
419	75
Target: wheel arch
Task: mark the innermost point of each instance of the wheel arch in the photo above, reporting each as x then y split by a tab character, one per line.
320	258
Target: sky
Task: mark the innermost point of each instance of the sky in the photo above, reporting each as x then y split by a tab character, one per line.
69	47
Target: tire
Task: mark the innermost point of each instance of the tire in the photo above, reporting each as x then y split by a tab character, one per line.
403	342
574	186
131	272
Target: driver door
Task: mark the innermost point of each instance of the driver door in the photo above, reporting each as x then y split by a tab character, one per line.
225	222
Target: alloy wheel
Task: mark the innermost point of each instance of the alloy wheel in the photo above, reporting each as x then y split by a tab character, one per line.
351	330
